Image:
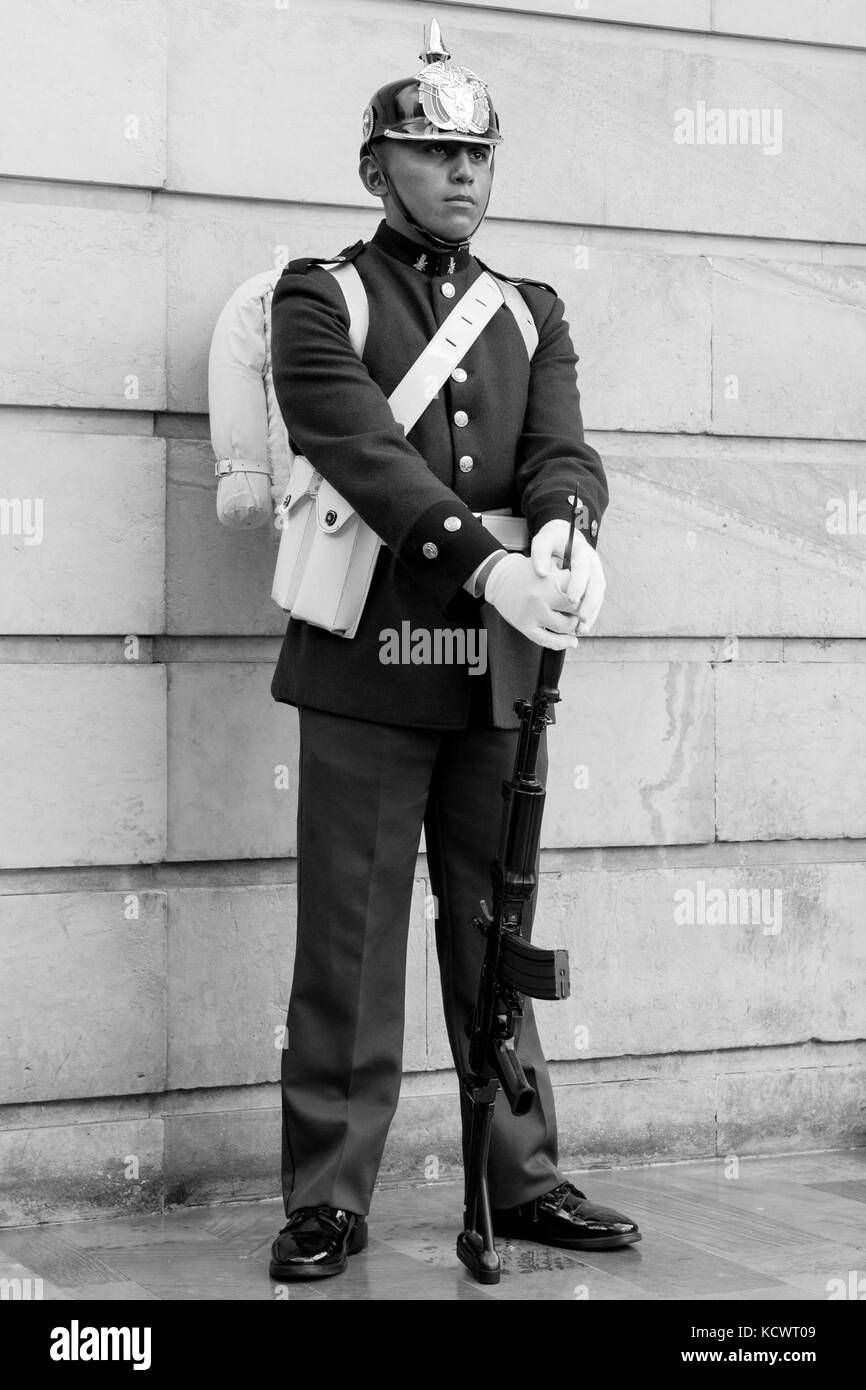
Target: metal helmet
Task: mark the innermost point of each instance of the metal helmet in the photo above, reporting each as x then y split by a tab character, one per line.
444	103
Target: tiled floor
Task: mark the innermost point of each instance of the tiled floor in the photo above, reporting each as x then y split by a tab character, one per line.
780	1230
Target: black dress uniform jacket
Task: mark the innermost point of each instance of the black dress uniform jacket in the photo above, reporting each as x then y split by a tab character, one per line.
509	435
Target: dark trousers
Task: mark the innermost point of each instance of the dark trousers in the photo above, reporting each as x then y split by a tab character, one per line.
365	791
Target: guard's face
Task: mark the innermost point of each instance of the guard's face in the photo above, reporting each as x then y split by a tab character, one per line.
446	185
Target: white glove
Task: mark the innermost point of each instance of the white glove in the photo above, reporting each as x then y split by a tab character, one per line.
535	605
586	584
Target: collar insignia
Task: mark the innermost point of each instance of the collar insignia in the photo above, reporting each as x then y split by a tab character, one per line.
419	257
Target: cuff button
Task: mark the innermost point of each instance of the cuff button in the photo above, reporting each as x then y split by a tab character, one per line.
452	523
429	550
594	528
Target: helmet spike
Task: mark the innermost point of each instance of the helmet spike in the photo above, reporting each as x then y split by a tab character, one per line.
434	46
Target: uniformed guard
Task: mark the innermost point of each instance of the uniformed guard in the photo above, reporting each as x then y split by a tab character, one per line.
388	745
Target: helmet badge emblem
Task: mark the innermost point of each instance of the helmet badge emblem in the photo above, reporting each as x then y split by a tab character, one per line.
454	98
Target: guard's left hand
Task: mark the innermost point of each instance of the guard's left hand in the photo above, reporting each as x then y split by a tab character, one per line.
586	583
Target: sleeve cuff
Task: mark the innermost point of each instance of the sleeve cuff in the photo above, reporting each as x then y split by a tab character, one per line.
443	546
588	521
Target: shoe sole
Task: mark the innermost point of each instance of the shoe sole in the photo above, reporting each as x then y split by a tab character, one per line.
603	1242
357	1243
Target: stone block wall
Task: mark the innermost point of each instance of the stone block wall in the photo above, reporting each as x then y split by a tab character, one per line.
703	847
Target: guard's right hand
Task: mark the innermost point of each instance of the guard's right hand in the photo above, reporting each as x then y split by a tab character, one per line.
535	604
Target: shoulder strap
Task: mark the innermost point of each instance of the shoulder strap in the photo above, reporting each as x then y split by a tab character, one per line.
355	295
522	313
453	339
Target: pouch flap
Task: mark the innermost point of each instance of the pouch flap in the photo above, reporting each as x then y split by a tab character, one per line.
303	482
332	509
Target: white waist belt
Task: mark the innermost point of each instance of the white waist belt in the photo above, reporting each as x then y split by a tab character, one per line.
511	531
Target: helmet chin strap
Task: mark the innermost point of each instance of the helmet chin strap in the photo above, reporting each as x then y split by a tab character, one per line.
439	242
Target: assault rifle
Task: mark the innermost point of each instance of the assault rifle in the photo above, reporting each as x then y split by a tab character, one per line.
512	966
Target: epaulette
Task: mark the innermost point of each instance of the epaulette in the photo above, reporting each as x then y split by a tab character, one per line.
303	263
517	279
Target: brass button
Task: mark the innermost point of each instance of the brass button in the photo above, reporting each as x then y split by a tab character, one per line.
594	528
461	418
448	290
459	374
452	523
429	550
466	464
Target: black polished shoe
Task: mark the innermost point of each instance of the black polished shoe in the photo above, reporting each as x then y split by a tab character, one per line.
564	1216
316	1242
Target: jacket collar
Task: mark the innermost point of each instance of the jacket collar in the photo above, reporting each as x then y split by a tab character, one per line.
421	258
